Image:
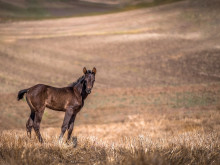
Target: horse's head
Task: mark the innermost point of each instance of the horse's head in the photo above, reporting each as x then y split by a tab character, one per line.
89	79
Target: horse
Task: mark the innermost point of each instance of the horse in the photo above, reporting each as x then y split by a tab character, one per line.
68	99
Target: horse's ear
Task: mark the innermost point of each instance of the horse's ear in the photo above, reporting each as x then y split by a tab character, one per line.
84	70
94	70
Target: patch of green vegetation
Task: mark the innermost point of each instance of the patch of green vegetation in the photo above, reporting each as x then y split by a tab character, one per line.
133	7
45	116
36	9
172	100
10	8
189	99
149	4
32	10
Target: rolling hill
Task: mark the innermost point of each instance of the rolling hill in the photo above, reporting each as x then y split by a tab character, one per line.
157	87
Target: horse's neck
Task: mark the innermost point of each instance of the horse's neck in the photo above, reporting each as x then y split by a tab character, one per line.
80	90
84	94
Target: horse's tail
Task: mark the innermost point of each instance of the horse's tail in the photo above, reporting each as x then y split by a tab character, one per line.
21	94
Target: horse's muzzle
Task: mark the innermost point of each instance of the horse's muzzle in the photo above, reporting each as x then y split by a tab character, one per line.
88	91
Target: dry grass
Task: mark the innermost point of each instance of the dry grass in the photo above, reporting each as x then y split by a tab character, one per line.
155	134
189	147
124	130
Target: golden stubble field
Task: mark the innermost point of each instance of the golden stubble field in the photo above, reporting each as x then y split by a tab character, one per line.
156	98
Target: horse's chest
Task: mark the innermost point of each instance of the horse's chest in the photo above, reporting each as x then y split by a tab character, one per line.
80	106
75	103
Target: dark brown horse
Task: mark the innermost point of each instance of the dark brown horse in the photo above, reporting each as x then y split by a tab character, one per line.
68	99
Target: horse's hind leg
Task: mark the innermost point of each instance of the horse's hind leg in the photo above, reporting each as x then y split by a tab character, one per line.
30	123
37	120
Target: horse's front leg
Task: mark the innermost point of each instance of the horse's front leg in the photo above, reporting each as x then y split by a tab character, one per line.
67	118
70	130
71	126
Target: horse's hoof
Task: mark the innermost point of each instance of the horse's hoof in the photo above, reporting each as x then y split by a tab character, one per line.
60	141
29	134
74	141
68	142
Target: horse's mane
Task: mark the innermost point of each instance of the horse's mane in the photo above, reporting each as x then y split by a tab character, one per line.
77	81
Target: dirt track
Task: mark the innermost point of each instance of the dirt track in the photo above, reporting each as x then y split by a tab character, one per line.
171	45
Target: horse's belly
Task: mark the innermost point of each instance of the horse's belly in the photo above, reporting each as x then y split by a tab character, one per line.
55	104
56	108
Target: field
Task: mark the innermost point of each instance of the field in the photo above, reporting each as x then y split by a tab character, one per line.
41	9
156	98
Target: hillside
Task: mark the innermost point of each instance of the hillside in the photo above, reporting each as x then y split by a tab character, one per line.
15	10
43	9
156	95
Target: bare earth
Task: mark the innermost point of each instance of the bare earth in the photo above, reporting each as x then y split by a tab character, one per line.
158	71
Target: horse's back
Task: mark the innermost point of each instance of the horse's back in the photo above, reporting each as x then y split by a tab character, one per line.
38	89
54	98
